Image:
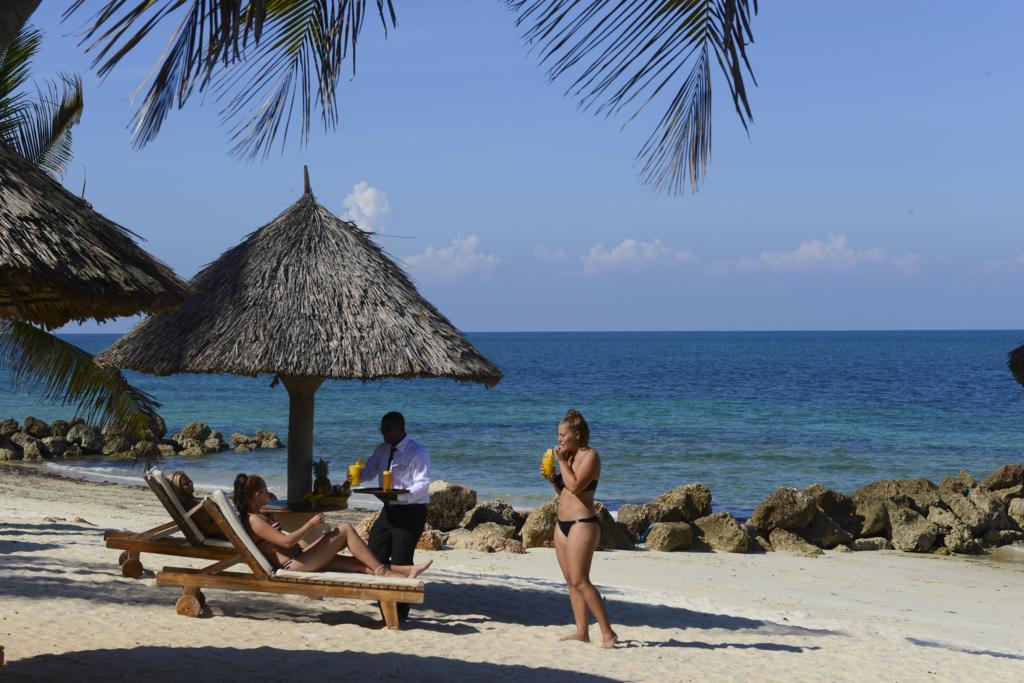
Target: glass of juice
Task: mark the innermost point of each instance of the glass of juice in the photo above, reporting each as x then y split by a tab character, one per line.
548	463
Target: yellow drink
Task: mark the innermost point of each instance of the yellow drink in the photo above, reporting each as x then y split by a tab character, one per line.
355	473
548	463
386	476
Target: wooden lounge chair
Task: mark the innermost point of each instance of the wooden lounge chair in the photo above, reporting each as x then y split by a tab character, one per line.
159	540
265	579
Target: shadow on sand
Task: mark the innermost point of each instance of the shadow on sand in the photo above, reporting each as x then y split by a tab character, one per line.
266	663
965	650
546	603
457	603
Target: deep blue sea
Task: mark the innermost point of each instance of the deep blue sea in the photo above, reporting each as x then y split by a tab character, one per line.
742	413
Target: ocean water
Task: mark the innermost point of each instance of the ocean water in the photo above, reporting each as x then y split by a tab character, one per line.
742	413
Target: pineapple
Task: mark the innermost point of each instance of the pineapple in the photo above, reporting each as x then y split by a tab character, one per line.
321	484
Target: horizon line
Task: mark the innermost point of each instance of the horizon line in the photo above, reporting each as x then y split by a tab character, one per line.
704	331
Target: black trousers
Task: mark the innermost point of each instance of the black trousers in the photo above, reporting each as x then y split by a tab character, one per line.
394	535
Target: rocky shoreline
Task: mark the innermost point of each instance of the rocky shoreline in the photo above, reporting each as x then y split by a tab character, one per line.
37	440
958	516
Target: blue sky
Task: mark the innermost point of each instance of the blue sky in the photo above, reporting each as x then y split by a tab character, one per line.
876	190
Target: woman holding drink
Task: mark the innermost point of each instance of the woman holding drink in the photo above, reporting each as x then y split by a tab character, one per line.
283	548
578	531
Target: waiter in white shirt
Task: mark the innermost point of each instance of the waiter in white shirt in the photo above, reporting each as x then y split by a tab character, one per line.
394	535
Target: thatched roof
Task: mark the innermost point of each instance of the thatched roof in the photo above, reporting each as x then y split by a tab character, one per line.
308	294
60	260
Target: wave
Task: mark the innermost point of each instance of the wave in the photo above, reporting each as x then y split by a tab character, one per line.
96	473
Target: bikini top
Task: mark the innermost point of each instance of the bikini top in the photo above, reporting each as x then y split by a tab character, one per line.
592	486
266	546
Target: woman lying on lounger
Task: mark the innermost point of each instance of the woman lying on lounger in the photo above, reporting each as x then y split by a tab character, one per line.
186	492
285	552
578	530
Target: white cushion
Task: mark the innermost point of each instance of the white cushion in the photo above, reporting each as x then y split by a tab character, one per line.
173	497
229	513
343	578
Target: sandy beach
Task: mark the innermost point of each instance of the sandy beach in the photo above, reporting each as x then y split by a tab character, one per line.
66	612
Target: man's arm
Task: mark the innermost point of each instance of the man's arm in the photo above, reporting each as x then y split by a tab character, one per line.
419	477
374	465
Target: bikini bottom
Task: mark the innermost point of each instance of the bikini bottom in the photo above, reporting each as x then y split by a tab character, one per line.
566	526
288	563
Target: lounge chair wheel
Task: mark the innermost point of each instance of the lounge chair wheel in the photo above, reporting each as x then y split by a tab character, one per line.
188	606
122	558
132	568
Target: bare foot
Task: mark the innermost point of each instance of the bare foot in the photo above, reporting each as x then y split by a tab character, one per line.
418	569
582	637
609	640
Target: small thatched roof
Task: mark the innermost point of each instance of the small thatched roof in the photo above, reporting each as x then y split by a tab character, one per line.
308	294
61	261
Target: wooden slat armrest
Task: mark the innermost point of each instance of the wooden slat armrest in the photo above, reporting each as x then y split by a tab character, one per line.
119	540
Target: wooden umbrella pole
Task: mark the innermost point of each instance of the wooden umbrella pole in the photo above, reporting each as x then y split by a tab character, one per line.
301	406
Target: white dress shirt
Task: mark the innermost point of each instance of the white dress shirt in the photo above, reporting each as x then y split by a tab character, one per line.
410	469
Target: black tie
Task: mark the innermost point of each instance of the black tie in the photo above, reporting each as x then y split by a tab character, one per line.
391	458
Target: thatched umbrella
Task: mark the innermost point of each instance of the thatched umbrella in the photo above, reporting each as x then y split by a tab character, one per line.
61	261
306	297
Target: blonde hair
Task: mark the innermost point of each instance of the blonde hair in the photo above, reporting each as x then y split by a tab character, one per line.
175	480
575	421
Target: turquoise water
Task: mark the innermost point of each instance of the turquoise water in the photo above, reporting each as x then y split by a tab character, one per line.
740	412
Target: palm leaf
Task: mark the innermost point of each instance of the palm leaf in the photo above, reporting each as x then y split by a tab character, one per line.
15	66
44	137
622	54
65	374
271	59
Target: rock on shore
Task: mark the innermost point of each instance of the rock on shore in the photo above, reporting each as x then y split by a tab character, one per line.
35	440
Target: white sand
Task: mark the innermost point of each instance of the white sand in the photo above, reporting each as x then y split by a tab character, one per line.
66	612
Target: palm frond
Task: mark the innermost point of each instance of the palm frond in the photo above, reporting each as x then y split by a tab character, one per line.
44	138
15	66
65	374
1015	363
269	58
625	53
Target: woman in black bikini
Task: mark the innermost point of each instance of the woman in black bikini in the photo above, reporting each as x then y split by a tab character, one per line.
285	552
578	531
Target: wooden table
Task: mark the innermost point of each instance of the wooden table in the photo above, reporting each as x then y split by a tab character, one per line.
293	515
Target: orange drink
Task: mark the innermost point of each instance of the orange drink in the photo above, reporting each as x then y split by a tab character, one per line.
548	463
355	473
386	476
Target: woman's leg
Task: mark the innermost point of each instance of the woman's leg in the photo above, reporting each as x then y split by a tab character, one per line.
579	606
361	562
580	547
410	570
356	546
321	555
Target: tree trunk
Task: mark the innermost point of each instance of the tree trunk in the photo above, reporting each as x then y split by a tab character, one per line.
301	405
13	16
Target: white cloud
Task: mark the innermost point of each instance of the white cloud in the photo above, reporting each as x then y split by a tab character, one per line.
832	254
366	206
995	266
452	262
545	253
634	254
